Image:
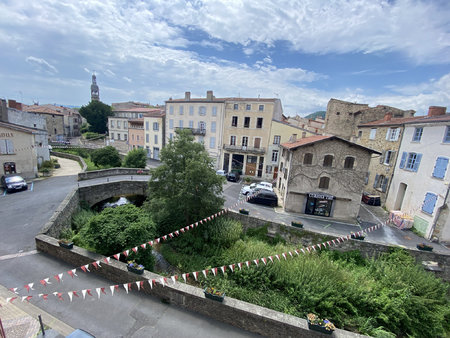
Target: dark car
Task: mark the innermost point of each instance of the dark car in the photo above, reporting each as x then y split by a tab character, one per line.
266	197
13	183
233	177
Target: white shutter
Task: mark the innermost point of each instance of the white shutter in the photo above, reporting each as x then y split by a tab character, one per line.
9	147
3	147
388	133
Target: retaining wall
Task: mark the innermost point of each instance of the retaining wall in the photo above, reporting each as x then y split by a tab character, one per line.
111	172
71	157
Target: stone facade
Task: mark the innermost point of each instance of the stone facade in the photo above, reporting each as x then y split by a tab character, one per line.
323	176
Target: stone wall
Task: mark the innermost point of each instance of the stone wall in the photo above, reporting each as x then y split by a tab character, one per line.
71	157
99	192
111	172
244	315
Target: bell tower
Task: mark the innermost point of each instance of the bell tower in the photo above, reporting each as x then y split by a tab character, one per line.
95	95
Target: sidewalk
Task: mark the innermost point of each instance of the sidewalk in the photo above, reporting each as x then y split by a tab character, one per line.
20	319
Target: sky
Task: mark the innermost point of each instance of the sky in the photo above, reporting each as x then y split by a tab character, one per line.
304	52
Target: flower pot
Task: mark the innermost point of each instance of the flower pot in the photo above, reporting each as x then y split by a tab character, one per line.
359	238
297	224
135	270
244	211
214	297
65	245
318	328
424	247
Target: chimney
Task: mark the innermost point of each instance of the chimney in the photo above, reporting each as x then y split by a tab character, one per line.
387	117
209	95
187	96
293	138
435	110
14	104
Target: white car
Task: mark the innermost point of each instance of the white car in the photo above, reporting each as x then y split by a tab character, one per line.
248	188
254	187
267	185
221	173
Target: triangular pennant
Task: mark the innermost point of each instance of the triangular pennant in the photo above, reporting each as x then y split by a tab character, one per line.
75	294
240	266
107	260
10	299
89	292
150	283
176	232
117	256
231	267
256	261
302	250
43	282
44	296
247	263
98	292
214	271
205	272
138	284
150	243
30	285
307	248
320	247
135	249
182	230
284	255
111	287
173	279
195	273
271	258
57	278
126	253
184	277
95	265
59	294
171	235
144	246
158	240
83	292
223	268
296	251
72	272
14	290
125	286
70	293
264	260
278	257
162	281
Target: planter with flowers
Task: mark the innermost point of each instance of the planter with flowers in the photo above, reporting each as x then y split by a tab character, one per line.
358	237
214	294
424	247
320	325
65	243
244	211
132	266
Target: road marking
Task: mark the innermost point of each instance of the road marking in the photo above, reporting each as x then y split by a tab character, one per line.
4	193
32	185
327	225
21	254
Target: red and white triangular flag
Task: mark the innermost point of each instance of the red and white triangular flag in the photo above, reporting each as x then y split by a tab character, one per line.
111	287
256	261
240	266
205	272
126	253
223	268
85	268
117	256
284	255
214	271
135	249
195	273
98	292
231	267
144	246
264	260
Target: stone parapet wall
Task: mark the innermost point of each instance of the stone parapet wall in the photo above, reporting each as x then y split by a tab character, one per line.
71	157
243	315
111	172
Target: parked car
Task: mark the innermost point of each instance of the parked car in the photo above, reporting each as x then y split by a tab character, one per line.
233	177
255	187
266	184
266	197
221	173
248	188
13	183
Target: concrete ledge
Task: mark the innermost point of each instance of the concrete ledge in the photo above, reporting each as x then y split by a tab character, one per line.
111	172
244	315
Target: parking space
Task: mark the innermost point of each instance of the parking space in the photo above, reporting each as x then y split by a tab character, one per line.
29	189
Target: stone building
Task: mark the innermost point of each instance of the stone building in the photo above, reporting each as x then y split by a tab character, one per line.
316	126
420	186
154	124
343	118
385	136
323	176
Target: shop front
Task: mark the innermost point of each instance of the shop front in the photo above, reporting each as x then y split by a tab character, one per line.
319	204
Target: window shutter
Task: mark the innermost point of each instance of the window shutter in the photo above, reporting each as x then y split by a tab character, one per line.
366	180
403	160
375	182
392	160
417	162
440	167
9	147
3	147
396	134
387	133
429	203
385	183
382	156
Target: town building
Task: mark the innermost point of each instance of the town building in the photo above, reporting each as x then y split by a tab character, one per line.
136	134
203	116
313	125
323	176
420	186
155	134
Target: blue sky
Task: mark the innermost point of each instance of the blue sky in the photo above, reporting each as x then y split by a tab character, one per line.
305	52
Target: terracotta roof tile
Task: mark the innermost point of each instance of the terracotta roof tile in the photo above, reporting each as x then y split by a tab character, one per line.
306	140
430	119
395	121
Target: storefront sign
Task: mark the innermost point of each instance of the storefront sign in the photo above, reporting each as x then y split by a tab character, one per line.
320	196
6	135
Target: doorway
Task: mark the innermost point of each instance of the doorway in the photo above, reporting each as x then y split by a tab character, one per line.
250	166
400	196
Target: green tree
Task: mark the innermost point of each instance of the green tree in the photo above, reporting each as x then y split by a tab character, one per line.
96	113
136	158
106	157
185	187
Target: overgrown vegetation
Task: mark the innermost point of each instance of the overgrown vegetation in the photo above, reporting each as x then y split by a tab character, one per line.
136	158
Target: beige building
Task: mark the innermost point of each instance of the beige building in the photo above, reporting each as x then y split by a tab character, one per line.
154	125
203	116
323	176
136	134
247	135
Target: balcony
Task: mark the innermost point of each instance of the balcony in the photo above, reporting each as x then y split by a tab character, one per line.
195	131
244	149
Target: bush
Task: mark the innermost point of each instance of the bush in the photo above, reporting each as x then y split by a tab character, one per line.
106	157
223	232
91	135
136	158
47	165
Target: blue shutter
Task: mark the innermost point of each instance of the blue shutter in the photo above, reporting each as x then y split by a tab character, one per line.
429	203
441	167
403	160
417	162
375	182
384	186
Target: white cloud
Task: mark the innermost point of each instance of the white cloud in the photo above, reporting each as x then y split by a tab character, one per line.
41	65
127	79
87	70
109	72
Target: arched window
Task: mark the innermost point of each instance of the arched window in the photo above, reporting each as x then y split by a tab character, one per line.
328	161
308	158
324	182
349	162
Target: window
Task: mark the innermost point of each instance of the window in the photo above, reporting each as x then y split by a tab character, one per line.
181	110
201	139
261	107
303	134
429	203
447	135
6	147
147	138
202	110
392	134
233	140
125	125
112	123
213	126
417	134
147	125
275	156
244	141
212	142
248	107
410	161
234	121
191	124
214	111
125	137
155	126
324	182
132	137
259	122
360	133
180	123
118	124
268	169
236	106
328	161
388	157
349	162
170	136
170	124
112	136
440	167
136	136
118	136
308	158
156	139
191	110
338	113
202	125
246	122
276	139
381	182
171	110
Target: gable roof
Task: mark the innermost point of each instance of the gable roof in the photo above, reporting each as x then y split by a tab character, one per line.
430	119
395	121
20	128
321	138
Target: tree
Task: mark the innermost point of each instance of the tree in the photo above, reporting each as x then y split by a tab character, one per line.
137	158
96	113
185	187
106	157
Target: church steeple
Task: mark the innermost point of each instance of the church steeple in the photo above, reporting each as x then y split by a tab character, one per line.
95	94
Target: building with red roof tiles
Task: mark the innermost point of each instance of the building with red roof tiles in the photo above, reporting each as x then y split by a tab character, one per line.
323	175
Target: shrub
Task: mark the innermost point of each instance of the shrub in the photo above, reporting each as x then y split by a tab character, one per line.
136	158
106	157
91	135
47	165
223	232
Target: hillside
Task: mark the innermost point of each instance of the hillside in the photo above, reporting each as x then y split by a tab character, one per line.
320	114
